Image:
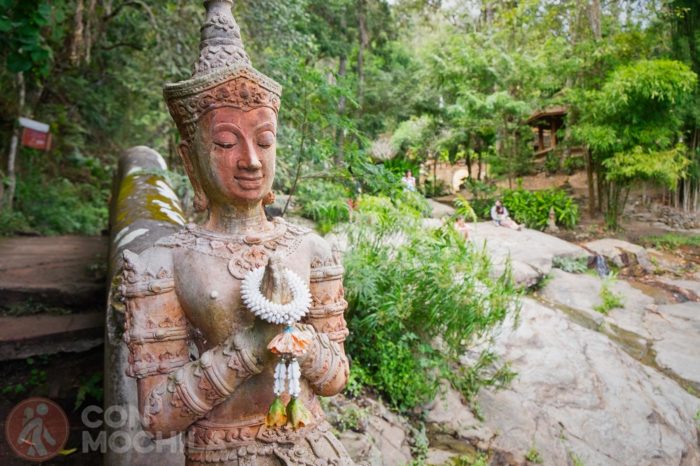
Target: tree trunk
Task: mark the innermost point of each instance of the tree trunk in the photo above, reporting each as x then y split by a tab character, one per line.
364	41
591	188
14	143
594	19
339	131
77	44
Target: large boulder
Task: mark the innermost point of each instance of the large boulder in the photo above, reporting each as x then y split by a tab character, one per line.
577	395
621	253
371	433
671	331
530	252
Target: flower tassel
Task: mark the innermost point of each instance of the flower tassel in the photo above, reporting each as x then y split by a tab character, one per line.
297	414
277	415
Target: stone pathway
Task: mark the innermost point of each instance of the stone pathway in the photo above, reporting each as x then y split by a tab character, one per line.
52	294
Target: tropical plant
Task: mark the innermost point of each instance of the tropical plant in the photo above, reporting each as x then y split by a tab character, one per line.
532	207
416	299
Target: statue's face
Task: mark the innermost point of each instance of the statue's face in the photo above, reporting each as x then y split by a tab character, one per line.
235	154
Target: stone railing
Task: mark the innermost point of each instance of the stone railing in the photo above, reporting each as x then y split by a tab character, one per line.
144	208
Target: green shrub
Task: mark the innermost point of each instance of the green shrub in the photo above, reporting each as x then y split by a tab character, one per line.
610	300
573	164
12	223
571	264
62	207
324	202
552	162
416	304
532	207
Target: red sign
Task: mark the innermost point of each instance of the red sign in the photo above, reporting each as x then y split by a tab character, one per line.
36	139
37	429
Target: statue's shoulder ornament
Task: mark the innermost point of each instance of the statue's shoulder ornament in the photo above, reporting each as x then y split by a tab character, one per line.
148	273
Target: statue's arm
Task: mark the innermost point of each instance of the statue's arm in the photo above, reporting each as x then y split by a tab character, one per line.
174	391
326	366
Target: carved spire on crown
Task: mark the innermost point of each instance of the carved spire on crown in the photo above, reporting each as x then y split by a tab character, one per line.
223	75
220	43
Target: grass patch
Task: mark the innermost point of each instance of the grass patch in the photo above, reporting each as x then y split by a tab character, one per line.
672	241
610	300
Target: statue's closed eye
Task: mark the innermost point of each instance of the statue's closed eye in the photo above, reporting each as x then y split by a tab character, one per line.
266	139
226	140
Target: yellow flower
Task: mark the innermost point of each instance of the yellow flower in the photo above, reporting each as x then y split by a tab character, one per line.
276	416
298	415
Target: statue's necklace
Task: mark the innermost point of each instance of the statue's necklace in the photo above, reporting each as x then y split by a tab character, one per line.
288	345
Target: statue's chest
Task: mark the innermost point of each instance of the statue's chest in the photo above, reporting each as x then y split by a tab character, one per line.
208	275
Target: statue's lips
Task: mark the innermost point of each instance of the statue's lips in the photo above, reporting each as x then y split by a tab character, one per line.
249	182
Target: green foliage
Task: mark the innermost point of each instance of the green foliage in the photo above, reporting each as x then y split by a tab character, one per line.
12	222
351	418
477	459
610	300
534	456
408	287
37	377
571	264
672	241
632	127
89	387
573	164
532	207
60	206
665	168
464	209
324	202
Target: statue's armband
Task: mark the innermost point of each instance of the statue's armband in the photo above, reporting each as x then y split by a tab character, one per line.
326	367
156	329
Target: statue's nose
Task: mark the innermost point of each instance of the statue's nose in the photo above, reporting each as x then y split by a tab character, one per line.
249	160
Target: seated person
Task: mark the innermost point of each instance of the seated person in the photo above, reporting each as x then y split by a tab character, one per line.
499	215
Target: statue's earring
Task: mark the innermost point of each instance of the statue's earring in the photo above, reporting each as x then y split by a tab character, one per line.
201	201
269	198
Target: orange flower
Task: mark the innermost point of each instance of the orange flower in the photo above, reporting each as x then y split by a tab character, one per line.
290	341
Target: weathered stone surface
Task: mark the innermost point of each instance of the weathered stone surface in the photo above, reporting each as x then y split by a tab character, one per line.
531	252
137	224
381	438
672	330
582	293
676	331
439	210
578	393
621	253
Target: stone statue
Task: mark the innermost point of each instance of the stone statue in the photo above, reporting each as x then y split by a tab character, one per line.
552	222
198	352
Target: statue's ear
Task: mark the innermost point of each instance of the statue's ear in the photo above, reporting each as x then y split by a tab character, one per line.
201	202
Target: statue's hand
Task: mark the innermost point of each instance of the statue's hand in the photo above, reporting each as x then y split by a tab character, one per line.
254	340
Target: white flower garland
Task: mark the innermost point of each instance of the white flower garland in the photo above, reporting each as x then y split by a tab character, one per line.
276	313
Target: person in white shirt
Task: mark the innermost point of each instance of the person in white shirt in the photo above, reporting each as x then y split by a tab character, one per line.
499	215
408	181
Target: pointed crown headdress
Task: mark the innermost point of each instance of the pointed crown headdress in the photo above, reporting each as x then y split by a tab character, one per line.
223	75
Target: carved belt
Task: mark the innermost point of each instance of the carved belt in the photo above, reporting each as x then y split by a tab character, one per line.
211	442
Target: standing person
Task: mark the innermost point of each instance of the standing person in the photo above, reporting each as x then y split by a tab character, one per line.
408	181
500	216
